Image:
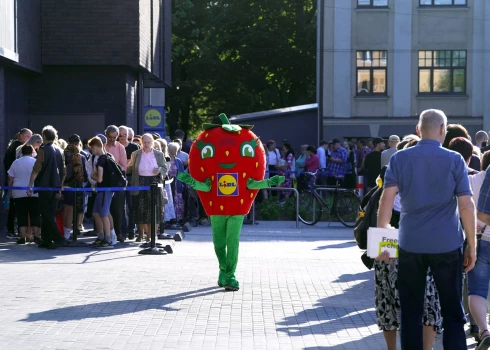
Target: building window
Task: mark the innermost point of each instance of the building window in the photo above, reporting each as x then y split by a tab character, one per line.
442	2
442	72
372	3
371	72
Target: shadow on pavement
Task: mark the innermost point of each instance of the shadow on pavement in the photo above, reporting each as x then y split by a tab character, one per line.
352	309
13	253
119	307
338	245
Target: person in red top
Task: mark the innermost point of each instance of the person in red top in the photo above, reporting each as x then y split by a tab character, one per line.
312	162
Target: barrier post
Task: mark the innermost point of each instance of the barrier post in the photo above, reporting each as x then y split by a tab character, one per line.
74	237
153	250
360	185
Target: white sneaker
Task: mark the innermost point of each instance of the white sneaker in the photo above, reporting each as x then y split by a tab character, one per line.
67	233
114	239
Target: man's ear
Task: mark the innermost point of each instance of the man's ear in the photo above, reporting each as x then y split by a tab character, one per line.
417	130
443	130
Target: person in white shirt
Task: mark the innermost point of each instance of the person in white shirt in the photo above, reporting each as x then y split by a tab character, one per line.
274	157
26	207
322	152
393	141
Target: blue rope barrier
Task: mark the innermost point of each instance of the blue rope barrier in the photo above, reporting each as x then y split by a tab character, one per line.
73	189
320	172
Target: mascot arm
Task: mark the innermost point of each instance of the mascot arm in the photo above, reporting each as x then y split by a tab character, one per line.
257	185
196	185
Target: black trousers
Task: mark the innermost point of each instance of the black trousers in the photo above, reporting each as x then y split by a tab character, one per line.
447	269
117	210
49	229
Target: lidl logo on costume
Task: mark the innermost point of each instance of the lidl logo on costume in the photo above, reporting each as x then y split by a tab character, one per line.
227	184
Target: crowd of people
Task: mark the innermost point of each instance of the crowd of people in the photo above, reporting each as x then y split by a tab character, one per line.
429	182
45	160
333	161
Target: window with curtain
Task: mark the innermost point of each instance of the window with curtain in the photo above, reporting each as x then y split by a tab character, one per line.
442	72
371	72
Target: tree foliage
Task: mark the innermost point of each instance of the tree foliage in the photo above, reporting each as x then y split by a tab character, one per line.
240	56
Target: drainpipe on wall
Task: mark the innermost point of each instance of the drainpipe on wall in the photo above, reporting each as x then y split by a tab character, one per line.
140	98
319	67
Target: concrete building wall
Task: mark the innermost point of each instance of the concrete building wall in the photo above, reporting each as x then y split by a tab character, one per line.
401	29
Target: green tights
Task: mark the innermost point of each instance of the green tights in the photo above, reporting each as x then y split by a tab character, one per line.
226	239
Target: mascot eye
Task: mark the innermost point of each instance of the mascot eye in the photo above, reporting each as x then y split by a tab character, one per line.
207	152
247	150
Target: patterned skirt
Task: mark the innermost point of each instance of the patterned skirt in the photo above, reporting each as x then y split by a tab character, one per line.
387	298
141	202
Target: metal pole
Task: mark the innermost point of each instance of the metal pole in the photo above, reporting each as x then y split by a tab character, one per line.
253	213
360	185
75	218
153	204
297	207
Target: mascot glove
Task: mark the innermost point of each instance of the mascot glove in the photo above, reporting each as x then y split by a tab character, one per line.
196	185
276	180
185	178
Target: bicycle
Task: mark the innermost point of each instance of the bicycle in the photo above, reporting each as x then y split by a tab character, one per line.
341	202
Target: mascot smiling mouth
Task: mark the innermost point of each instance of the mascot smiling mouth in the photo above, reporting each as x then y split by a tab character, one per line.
227	165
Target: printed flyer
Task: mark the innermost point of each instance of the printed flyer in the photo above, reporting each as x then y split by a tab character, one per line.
380	240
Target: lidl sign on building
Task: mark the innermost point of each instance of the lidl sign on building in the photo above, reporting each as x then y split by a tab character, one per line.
154	119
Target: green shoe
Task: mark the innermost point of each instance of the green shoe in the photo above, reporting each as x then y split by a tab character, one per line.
232	284
221	279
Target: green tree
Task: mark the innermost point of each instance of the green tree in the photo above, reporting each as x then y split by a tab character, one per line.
240	56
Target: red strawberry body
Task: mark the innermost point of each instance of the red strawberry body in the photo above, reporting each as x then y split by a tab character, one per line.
228	159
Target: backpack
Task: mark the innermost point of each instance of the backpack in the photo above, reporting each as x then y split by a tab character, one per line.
368	217
116	177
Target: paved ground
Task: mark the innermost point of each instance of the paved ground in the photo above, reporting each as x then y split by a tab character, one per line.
300	289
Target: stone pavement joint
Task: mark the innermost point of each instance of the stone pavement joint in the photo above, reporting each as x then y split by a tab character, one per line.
300	289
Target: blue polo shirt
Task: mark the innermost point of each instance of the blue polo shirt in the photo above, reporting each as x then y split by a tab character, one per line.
429	179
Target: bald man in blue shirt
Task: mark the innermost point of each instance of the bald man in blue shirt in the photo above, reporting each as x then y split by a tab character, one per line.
434	194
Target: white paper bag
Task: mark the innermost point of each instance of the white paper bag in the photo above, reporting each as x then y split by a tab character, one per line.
380	240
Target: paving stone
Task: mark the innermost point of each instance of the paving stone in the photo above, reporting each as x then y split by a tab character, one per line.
300	289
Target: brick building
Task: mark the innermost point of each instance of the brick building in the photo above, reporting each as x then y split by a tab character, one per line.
80	65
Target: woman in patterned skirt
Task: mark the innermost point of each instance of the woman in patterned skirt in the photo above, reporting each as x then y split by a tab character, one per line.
147	166
387	299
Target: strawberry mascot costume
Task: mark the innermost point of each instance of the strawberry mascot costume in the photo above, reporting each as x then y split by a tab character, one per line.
226	168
